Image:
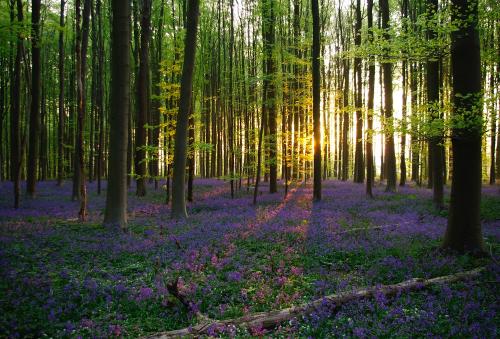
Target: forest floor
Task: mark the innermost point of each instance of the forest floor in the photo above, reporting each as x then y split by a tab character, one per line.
63	278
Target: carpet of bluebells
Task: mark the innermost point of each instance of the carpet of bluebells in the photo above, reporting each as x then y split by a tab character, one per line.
63	278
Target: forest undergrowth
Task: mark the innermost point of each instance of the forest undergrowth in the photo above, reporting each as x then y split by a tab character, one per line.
63	278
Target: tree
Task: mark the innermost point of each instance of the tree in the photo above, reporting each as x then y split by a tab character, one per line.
463	232
15	109
81	62
116	195
389	152
60	140
371	92
268	39
143	99
316	48
404	108
436	139
359	168
100	94
34	129
181	130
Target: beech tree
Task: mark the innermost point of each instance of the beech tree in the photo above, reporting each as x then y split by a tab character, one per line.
436	139
389	152
34	129
463	232
181	130
115	214
143	98
316	48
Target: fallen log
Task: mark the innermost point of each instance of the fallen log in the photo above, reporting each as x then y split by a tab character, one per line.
270	319
357	229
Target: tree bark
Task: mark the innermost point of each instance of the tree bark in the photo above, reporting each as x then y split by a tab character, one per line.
389	152
268	37
60	140
180	152
463	232
81	102
359	168
34	126
15	110
316	48
116	193
143	99
371	92
345	123
436	138
100	94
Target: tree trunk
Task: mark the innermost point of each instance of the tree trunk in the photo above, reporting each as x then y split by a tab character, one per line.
100	94
404	108
34	129
156	104
81	102
414	143
259	156
389	153
116	193
15	110
345	123
143	100
60	139
493	126
359	168
191	152
271	319
371	92
436	139
231	102
268	37
180	152
464	224
402	164
316	48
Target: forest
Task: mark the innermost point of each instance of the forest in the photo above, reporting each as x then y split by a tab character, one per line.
249	168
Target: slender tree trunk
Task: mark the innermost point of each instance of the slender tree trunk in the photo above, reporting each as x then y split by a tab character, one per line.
155	109
100	94
414	143
316	48
345	123
81	102
268	37
402	163
259	156
116	193
371	92
34	126
389	152
43	130
180	153
359	168
15	110
493	126
436	139
60	140
143	99
76	194
404	108
191	152
231	102
464	224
